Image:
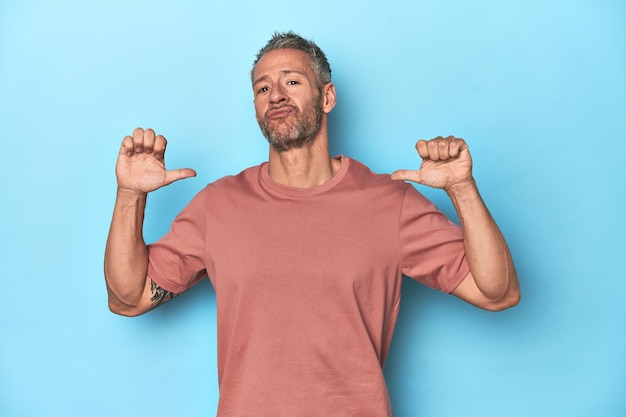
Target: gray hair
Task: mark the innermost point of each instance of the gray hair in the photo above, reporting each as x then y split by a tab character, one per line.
290	40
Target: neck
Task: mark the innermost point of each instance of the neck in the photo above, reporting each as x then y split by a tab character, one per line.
305	167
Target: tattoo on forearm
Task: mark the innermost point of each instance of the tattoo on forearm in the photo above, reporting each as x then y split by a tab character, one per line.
160	295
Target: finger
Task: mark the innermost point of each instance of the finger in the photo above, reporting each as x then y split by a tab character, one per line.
138	139
178	174
443	149
127	147
433	148
148	140
456	146
407	175
422	149
159	147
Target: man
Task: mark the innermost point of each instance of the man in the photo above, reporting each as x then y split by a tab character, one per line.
305	252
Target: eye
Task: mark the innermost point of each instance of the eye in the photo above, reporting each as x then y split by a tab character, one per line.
262	90
292	82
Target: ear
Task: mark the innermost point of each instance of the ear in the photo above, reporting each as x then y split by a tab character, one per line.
329	97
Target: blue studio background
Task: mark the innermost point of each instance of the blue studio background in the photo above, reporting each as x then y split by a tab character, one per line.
537	88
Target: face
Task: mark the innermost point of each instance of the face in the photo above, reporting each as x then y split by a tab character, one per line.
287	100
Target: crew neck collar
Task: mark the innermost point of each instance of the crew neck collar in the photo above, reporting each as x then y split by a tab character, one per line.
285	190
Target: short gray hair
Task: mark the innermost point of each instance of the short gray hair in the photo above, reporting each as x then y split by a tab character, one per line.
291	40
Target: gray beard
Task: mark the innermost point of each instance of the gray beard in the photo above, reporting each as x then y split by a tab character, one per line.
304	131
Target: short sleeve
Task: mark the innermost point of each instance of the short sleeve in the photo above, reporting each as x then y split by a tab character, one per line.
176	262
431	245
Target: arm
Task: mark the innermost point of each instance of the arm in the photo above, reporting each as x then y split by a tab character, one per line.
140	169
492	282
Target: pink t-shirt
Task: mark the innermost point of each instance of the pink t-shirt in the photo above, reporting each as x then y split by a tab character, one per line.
307	284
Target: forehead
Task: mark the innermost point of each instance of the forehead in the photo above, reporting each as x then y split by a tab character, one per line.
283	60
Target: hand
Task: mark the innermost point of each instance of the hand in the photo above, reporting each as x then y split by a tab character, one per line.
141	163
446	162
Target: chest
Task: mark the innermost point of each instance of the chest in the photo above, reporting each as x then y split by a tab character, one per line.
337	245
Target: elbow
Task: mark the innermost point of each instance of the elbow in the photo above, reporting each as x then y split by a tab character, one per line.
121	308
511	299
124	301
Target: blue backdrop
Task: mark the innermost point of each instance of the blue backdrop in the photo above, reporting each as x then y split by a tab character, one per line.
537	88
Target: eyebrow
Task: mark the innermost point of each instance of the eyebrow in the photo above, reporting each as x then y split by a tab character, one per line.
285	72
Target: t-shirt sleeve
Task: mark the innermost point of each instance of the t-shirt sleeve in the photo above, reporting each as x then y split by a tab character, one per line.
432	247
176	262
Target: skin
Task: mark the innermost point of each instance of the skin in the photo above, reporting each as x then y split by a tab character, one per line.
492	282
140	169
284	78
285	92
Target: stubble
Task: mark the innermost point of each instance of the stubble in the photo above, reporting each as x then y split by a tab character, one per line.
304	129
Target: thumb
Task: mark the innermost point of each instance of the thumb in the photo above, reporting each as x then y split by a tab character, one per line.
407	175
178	174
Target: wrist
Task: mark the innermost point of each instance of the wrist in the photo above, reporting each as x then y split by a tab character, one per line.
463	190
130	194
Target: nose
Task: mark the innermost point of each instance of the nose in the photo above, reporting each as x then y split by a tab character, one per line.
278	95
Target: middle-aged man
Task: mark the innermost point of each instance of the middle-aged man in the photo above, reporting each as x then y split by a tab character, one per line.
306	252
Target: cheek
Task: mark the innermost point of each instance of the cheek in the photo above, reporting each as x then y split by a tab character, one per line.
258	110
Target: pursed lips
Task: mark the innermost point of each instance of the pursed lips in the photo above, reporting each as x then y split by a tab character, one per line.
279	112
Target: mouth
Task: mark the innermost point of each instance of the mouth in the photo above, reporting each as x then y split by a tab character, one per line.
278	113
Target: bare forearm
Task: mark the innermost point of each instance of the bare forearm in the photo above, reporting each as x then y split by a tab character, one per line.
126	256
487	253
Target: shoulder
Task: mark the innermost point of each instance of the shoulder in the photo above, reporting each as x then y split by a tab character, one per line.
382	187
364	178
230	191
232	183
